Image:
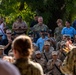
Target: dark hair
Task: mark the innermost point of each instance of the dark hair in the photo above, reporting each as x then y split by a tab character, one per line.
68	21
23	45
49	31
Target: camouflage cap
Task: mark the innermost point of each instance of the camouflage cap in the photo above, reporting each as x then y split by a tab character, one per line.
54	52
37	52
47	43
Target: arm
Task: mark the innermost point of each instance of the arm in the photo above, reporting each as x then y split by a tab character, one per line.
9	43
63	31
50	65
14	28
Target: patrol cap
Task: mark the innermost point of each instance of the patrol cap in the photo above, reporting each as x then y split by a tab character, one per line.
1	47
37	52
54	53
47	43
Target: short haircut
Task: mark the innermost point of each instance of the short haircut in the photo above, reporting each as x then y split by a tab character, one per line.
68	21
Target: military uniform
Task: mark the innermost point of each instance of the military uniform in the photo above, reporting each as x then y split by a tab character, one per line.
40	60
57	32
27	67
20	26
61	55
47	53
53	65
38	27
69	64
52	70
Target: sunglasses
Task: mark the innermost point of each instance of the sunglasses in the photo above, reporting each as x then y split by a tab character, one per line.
8	33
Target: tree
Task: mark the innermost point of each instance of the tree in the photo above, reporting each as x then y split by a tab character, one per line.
51	10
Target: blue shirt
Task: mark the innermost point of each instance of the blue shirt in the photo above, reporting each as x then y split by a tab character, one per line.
70	31
40	43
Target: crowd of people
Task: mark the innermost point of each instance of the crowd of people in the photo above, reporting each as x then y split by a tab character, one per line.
39	51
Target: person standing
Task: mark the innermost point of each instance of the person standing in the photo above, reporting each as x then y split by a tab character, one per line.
54	64
19	26
35	21
40	26
68	30
58	30
39	59
22	49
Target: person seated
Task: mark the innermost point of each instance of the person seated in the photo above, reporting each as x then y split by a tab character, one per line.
54	64
38	58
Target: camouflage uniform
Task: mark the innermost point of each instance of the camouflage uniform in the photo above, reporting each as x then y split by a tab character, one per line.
47	55
51	67
38	28
57	32
69	64
27	67
42	62
61	55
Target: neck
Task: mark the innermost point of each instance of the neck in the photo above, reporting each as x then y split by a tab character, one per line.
43	37
47	50
68	26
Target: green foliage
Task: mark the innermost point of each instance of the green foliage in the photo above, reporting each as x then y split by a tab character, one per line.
70	6
51	10
10	10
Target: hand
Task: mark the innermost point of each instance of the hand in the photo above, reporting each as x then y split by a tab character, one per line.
9	40
8	58
53	62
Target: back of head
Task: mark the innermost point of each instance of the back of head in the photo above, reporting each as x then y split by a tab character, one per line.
7	69
23	45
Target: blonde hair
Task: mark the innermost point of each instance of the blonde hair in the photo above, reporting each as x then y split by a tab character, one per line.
59	21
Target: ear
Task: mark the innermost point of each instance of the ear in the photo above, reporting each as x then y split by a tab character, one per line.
14	51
